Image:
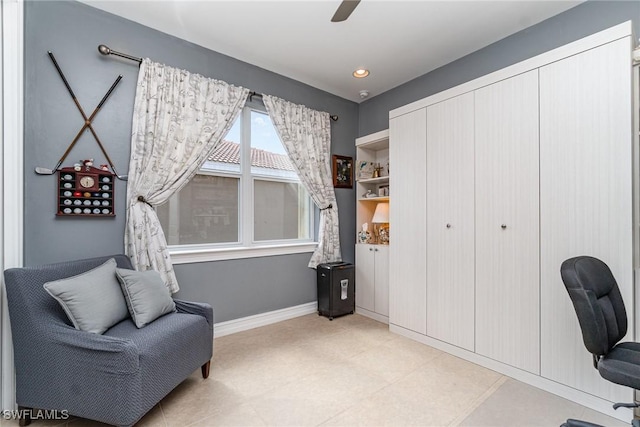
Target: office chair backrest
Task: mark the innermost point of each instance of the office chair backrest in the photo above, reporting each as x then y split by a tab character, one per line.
597	301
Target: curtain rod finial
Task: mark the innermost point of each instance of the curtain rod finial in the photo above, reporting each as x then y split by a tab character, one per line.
103	49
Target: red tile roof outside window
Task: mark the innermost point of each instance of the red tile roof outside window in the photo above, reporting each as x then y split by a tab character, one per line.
229	152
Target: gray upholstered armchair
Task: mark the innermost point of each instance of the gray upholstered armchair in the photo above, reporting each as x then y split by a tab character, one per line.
116	377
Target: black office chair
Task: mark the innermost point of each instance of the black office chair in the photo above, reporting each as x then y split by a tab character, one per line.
603	320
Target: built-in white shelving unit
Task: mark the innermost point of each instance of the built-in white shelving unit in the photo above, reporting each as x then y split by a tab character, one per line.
372	258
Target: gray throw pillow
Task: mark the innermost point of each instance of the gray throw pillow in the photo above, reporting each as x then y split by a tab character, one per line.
146	294
92	300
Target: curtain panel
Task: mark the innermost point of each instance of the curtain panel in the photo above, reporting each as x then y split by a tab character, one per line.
178	120
306	136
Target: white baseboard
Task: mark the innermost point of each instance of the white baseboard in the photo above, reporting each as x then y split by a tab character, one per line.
577	396
245	323
372	315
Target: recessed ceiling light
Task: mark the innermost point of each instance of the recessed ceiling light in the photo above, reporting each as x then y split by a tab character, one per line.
360	73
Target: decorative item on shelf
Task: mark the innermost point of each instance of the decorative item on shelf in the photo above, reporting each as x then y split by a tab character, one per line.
377	171
383	190
86	187
369	195
381	219
363	235
87	164
342	171
365	170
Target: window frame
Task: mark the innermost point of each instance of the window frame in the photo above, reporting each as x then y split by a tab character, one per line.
246	246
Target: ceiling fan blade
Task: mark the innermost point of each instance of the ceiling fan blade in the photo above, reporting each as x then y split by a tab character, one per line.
344	10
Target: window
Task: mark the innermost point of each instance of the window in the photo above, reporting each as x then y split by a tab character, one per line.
246	195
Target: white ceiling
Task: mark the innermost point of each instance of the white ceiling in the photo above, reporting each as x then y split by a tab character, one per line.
396	40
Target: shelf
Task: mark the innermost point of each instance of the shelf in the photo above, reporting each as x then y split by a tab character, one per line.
375	141
381	179
374	199
91	215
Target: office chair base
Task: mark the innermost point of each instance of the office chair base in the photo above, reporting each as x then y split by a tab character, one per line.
626	405
577	423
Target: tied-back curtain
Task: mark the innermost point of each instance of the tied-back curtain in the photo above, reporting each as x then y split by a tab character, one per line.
178	120
306	135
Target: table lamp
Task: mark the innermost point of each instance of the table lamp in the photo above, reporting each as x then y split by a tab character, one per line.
381	217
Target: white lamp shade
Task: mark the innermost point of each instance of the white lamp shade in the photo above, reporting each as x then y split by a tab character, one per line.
381	215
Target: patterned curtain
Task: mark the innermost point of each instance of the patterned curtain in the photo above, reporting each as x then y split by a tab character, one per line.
178	120
306	135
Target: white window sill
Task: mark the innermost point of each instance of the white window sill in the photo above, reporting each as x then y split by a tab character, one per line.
187	256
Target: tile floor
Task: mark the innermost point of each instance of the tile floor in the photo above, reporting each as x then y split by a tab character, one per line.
352	371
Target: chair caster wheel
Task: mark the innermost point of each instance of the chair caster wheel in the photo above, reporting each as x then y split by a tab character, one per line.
330	318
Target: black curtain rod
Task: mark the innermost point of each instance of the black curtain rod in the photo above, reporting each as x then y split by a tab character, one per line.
105	50
259	95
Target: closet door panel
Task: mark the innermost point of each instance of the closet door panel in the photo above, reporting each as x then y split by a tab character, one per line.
586	198
365	276
407	247
382	280
450	221
507	222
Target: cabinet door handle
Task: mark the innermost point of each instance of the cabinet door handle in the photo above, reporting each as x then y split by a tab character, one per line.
370	249
503	226
376	249
448	225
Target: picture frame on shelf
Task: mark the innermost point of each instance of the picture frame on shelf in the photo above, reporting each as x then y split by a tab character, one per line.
383	190
342	171
365	169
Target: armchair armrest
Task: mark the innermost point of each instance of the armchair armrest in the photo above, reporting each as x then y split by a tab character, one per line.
201	309
72	362
110	355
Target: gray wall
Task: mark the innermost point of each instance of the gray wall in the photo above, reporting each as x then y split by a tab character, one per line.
73	31
578	22
235	288
242	287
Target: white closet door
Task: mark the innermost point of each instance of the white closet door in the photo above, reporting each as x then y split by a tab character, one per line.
407	211
507	222
585	198
365	276
450	221
382	280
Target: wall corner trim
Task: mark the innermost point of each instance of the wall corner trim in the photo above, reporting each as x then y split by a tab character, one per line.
12	176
